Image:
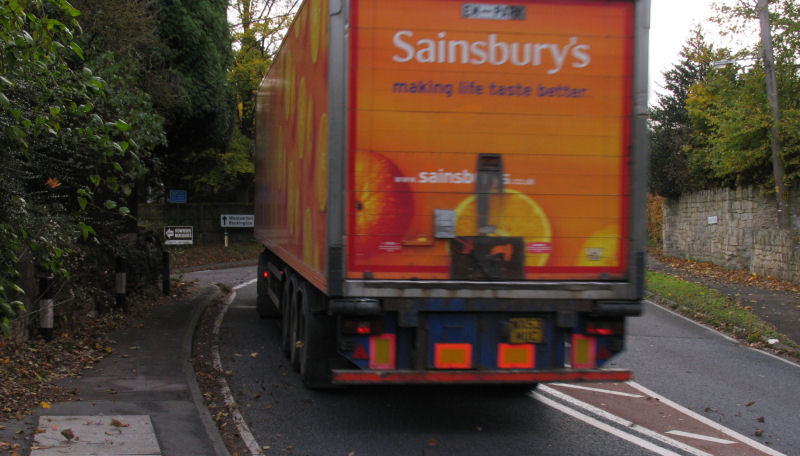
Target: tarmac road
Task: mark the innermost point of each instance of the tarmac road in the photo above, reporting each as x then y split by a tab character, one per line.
711	379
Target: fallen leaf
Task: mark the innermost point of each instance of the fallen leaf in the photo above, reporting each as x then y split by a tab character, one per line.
68	434
750	404
760	419
758	432
45	405
254	355
117	423
432	442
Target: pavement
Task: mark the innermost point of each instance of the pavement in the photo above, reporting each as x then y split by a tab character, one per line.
141	400
144	398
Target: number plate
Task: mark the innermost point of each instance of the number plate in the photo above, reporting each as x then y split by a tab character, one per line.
526	330
493	11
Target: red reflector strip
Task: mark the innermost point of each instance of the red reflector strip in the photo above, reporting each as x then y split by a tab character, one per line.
519	356
584	350
356	377
266	274
452	356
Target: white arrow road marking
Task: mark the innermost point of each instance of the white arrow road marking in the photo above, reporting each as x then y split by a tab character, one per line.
713	424
598	390
603	426
616	420
701	437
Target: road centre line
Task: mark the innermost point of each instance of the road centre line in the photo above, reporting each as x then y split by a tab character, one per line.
598	390
647	445
619	421
729	432
701	437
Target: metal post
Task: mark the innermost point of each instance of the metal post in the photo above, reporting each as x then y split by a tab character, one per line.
226	237
121	283
772	96
165	273
46	307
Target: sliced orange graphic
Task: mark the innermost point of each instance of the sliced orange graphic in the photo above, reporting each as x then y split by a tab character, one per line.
512	214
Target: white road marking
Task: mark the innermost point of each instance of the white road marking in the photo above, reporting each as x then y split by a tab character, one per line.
701	437
622	422
730	433
603	426
244	284
241	425
598	390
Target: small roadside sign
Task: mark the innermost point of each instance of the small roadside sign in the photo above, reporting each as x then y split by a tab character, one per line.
178	196
237	220
178	235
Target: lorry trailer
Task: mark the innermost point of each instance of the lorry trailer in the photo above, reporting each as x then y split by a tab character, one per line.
454	192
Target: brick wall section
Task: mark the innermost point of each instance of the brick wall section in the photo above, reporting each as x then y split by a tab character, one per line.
745	235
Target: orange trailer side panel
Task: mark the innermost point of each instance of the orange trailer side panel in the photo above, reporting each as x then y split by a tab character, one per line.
433	86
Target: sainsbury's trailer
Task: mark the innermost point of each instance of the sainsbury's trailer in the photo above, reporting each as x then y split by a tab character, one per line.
454	192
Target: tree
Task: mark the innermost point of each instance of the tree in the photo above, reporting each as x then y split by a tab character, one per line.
672	134
730	110
66	167
196	51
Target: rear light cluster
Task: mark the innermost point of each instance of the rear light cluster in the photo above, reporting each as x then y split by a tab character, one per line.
362	326
605	328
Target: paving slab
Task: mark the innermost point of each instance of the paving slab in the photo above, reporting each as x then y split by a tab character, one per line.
93	435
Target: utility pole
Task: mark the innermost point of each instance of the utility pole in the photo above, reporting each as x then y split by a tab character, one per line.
772	95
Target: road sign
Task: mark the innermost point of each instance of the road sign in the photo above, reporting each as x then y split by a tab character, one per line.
177	196
178	235
236	220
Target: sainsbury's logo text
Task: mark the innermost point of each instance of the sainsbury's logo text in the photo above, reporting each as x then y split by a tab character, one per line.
553	56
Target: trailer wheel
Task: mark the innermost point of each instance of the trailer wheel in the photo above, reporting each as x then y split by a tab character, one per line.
313	333
265	307
298	296
286	315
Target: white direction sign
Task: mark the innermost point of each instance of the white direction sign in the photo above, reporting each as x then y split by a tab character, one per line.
236	220
178	235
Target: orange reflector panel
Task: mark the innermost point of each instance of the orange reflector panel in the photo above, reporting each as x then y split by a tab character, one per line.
583	352
452	356
510	356
382	352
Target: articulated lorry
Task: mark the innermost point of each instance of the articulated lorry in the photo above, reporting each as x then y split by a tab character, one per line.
452	191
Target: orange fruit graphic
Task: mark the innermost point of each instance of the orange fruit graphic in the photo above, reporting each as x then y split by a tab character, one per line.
315	27
383	207
308	238
601	249
321	170
289	73
513	214
303	102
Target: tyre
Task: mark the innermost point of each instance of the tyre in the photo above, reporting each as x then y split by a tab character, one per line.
264	305
314	347
286	314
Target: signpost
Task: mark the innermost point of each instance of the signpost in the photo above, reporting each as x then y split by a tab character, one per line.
236	221
178	235
178	196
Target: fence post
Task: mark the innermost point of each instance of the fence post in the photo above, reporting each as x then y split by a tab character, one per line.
165	272
46	307
121	269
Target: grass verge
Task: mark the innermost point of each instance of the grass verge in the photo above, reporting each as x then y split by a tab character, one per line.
712	308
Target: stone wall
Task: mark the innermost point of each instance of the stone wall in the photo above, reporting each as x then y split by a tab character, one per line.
735	228
204	217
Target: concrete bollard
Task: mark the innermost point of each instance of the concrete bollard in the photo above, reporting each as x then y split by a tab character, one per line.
46	307
121	283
